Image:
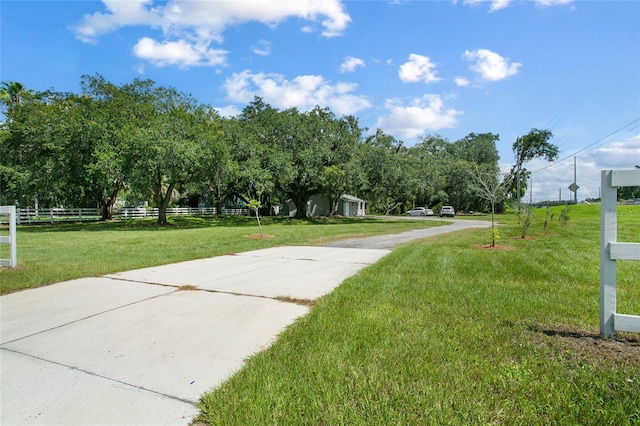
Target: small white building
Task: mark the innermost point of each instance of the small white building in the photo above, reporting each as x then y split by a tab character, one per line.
318	205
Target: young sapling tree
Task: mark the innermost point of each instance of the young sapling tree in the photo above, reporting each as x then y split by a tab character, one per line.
524	218
489	186
255	205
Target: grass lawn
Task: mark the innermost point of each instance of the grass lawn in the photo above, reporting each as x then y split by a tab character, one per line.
53	253
443	331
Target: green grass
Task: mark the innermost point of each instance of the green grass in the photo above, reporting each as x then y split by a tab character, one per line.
443	331
53	253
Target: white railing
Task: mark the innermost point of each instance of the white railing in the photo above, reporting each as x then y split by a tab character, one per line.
31	215
141	212
235	212
611	251
39	215
12	262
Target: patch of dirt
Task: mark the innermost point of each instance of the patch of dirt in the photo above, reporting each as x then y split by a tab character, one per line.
258	237
17	268
188	287
303	302
496	247
624	348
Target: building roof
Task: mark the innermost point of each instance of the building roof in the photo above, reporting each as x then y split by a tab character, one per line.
351	198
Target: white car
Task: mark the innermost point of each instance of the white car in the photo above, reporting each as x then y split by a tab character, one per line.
420	211
447	211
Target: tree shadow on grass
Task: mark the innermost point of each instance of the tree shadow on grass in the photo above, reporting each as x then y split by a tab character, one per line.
150	224
183	222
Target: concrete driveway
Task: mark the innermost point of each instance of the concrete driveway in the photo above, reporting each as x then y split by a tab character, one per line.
140	347
390	241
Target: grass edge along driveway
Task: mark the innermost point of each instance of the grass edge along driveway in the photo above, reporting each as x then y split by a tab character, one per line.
49	254
446	332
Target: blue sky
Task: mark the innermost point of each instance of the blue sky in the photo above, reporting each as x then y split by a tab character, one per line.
411	68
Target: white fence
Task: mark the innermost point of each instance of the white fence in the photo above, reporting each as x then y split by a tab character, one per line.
611	251
30	215
142	212
12	262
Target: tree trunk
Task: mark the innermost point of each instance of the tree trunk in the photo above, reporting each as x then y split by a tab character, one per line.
493	225
333	205
163	202
107	208
107	211
300	200
218	196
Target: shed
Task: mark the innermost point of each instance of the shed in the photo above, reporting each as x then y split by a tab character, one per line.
318	205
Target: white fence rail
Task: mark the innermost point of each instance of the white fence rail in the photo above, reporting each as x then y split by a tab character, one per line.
30	215
142	212
611	251
10	239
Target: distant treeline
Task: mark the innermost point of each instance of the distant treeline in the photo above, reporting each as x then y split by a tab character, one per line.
140	142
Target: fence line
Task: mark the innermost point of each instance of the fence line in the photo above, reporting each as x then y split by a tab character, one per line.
611	251
31	215
142	212
40	215
12	262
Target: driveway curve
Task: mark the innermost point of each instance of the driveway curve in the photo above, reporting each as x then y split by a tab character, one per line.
390	241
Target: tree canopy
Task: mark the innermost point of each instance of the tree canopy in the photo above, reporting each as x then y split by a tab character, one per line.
143	143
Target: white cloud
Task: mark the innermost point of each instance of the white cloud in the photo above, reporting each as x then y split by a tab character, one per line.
350	64
119	14
490	65
228	111
619	155
418	68
552	183
552	2
461	81
495	4
303	92
262	48
179	53
197	24
501	4
422	115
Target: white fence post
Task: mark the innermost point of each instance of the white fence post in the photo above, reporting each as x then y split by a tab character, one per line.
12	262
611	251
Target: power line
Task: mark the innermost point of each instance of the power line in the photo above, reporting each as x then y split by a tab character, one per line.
600	141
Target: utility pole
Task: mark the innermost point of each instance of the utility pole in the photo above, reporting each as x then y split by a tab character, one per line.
518	187
574	186
518	174
575	180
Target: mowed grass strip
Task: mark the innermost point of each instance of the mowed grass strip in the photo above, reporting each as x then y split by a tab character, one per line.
443	331
53	253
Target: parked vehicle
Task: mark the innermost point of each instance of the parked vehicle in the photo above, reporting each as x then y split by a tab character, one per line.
420	211
447	211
